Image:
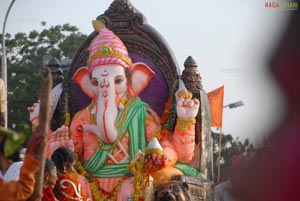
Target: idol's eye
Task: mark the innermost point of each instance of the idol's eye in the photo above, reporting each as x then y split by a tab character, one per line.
94	82
119	80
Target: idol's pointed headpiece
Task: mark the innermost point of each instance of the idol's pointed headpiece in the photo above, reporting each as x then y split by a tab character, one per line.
107	48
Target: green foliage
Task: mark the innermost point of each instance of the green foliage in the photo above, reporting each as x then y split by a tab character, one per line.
25	61
14	140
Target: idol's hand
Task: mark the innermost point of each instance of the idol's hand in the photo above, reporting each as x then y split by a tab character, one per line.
187	108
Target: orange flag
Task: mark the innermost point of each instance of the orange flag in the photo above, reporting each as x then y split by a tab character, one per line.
215	99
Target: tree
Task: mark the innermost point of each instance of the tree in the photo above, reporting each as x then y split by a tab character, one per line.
229	148
25	61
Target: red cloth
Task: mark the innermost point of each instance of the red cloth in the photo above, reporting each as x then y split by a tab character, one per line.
48	194
69	188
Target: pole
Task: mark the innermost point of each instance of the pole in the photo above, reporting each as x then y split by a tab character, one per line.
219	156
4	61
43	128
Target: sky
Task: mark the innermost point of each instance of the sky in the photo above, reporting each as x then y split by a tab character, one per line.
230	40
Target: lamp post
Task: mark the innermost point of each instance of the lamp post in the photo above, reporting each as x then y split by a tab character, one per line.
4	59
234	105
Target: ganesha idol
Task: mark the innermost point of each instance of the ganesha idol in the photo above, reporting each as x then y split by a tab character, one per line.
110	134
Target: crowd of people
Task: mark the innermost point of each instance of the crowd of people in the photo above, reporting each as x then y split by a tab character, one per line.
20	185
18	173
61	181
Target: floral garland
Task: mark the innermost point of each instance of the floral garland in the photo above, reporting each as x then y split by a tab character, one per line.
166	111
90	179
164	132
95	188
120	123
140	179
112	195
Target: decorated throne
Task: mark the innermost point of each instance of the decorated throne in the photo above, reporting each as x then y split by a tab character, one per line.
145	44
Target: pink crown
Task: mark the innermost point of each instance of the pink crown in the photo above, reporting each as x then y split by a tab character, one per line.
107	48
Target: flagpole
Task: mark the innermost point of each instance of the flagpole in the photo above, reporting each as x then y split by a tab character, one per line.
219	156
216	99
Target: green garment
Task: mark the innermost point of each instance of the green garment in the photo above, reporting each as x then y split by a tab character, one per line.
187	170
135	124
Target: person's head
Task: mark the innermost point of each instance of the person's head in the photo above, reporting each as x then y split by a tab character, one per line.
50	174
64	160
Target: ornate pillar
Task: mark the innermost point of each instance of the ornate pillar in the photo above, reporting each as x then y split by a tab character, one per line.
192	80
203	156
58	94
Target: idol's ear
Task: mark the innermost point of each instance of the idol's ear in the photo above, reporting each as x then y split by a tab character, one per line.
82	78
140	77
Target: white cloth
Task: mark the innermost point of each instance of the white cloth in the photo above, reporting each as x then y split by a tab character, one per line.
13	172
55	94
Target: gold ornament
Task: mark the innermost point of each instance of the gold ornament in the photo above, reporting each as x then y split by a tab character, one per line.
186	94
184	124
106	51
